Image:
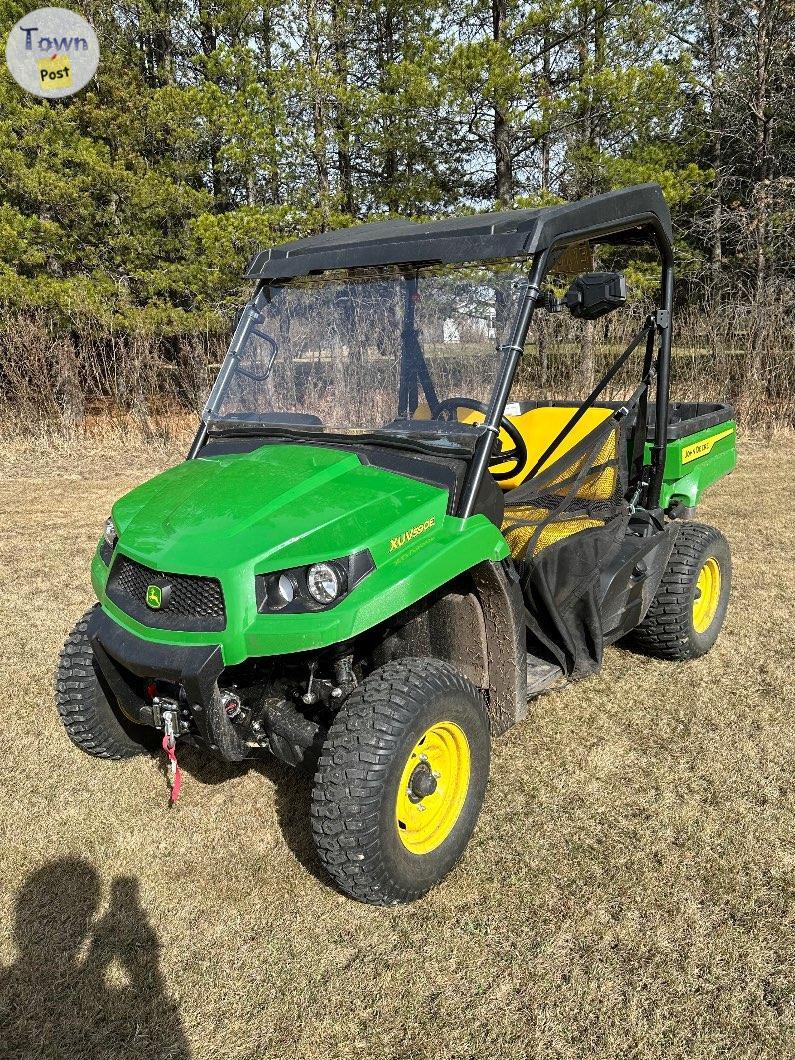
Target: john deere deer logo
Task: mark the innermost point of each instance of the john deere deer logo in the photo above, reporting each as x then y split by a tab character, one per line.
154	597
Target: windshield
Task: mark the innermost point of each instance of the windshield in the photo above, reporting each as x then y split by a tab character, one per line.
369	351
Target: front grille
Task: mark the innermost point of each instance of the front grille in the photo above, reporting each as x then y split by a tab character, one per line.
189	603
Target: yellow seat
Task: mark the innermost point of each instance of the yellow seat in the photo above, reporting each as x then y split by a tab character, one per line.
526	523
539	427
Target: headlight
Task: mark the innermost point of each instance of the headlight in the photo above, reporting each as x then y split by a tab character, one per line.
108	542
317	587
111	537
324	582
281	591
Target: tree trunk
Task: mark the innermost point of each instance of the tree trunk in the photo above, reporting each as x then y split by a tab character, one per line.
546	93
272	165
715	64
765	15
387	56
340	32
503	161
597	66
318	105
584	131
209	41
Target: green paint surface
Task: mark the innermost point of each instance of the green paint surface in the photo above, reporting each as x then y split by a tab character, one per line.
233	517
686	481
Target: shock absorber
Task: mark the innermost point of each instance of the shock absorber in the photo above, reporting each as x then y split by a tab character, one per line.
344	675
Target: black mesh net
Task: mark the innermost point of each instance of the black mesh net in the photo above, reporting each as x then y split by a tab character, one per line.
582	489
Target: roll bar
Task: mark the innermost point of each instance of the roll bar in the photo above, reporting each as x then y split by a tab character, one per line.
513	352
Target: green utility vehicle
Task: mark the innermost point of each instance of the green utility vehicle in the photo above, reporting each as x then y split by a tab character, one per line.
375	554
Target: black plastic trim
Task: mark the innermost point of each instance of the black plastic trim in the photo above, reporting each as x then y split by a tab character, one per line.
196	668
176	614
441	442
631	579
639	210
684	417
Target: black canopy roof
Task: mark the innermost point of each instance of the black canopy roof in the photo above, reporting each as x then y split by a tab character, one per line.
638	214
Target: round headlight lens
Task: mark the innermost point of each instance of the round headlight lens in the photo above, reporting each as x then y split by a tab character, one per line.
323	582
281	591
110	532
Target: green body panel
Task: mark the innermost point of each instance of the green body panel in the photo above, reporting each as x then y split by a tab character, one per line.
697	461
233	517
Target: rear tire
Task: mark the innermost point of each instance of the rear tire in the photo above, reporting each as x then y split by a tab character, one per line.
689	607
91	721
400	781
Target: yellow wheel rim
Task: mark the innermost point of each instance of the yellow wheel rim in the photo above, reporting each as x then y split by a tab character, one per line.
707	596
433	787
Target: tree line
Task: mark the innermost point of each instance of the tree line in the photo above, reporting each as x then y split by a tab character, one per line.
216	127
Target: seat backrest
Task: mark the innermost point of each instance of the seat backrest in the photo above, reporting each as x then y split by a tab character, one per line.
540	426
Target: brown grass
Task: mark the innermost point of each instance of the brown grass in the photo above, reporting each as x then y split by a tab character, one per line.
628	892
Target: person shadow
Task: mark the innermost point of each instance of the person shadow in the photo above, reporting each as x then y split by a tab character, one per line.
82	988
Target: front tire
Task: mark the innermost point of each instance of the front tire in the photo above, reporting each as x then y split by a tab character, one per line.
689	607
91	720
400	781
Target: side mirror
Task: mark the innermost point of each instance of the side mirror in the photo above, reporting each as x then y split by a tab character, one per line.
595	293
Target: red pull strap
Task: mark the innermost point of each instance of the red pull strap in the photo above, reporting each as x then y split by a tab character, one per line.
174	772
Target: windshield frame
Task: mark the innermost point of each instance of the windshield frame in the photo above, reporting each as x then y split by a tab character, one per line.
415	379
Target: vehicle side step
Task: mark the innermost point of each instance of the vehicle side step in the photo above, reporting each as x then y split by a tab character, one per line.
542	675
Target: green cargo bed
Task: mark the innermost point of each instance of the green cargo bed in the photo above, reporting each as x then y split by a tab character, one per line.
701	449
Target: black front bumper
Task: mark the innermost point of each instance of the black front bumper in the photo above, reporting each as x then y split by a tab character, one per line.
128	663
125	660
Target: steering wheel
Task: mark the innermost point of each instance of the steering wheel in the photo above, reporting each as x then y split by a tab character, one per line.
517	455
255	377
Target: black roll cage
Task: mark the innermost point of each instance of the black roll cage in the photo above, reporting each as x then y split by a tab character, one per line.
659	324
638	214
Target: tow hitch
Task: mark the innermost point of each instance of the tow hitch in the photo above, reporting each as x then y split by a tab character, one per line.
170	722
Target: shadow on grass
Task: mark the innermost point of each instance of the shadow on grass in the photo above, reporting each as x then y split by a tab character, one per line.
82	987
292	786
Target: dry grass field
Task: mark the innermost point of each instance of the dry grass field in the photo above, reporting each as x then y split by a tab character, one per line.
629	892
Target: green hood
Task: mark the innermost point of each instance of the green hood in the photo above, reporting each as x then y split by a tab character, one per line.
233	517
280	505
